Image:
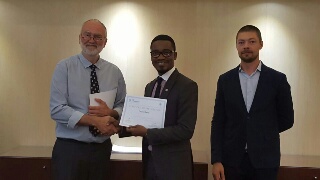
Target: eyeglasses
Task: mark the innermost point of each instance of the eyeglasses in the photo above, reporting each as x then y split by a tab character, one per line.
96	37
165	53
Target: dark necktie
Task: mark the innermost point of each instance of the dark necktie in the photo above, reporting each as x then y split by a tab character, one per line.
157	93
94	86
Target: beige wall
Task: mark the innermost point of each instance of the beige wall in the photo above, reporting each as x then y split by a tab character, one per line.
35	35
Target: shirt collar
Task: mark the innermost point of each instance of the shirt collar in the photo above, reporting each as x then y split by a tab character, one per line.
87	63
166	75
258	68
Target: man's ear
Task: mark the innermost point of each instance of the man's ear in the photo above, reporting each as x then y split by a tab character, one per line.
261	43
105	42
175	55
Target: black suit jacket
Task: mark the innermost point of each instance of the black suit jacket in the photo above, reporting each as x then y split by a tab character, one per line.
171	148
233	127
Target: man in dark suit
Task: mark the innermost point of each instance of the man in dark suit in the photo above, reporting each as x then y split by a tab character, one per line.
253	105
166	152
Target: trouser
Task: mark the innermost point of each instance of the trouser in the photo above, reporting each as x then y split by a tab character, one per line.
246	171
151	171
75	160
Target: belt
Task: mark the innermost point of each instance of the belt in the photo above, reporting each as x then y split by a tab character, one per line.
80	142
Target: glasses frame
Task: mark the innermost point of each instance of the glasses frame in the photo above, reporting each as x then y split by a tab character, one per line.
171	52
96	37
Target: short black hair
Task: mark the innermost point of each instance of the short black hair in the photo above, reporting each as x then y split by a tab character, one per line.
250	28
164	37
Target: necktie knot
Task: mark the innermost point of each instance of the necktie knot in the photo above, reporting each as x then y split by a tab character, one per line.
93	67
159	80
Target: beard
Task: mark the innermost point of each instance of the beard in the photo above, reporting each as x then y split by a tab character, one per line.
91	52
163	66
248	59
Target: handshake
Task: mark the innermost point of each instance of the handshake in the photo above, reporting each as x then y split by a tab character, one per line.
106	126
101	121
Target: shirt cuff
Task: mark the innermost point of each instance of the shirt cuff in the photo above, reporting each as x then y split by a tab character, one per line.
74	119
119	110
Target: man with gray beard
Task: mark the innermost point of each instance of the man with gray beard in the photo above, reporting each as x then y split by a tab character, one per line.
83	146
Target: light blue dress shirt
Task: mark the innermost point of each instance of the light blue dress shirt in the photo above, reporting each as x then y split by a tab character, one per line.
69	95
249	85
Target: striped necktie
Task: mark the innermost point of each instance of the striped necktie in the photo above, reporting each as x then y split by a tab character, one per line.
158	89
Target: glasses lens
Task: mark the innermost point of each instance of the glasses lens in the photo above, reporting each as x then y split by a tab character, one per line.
87	36
155	53
97	37
167	53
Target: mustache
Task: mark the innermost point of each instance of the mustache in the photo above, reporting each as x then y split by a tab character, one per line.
161	61
91	45
246	51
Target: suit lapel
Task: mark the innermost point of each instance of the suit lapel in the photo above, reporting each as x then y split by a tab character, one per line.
259	94
238	91
149	88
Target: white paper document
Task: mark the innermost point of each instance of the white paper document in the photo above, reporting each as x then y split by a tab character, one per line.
125	149
107	96
145	111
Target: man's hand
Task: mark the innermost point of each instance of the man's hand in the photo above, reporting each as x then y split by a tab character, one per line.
137	130
218	171
107	125
101	110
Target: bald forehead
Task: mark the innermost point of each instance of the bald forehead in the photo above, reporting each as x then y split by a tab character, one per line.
94	26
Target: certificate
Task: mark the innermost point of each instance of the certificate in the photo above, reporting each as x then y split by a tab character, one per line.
145	111
108	97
